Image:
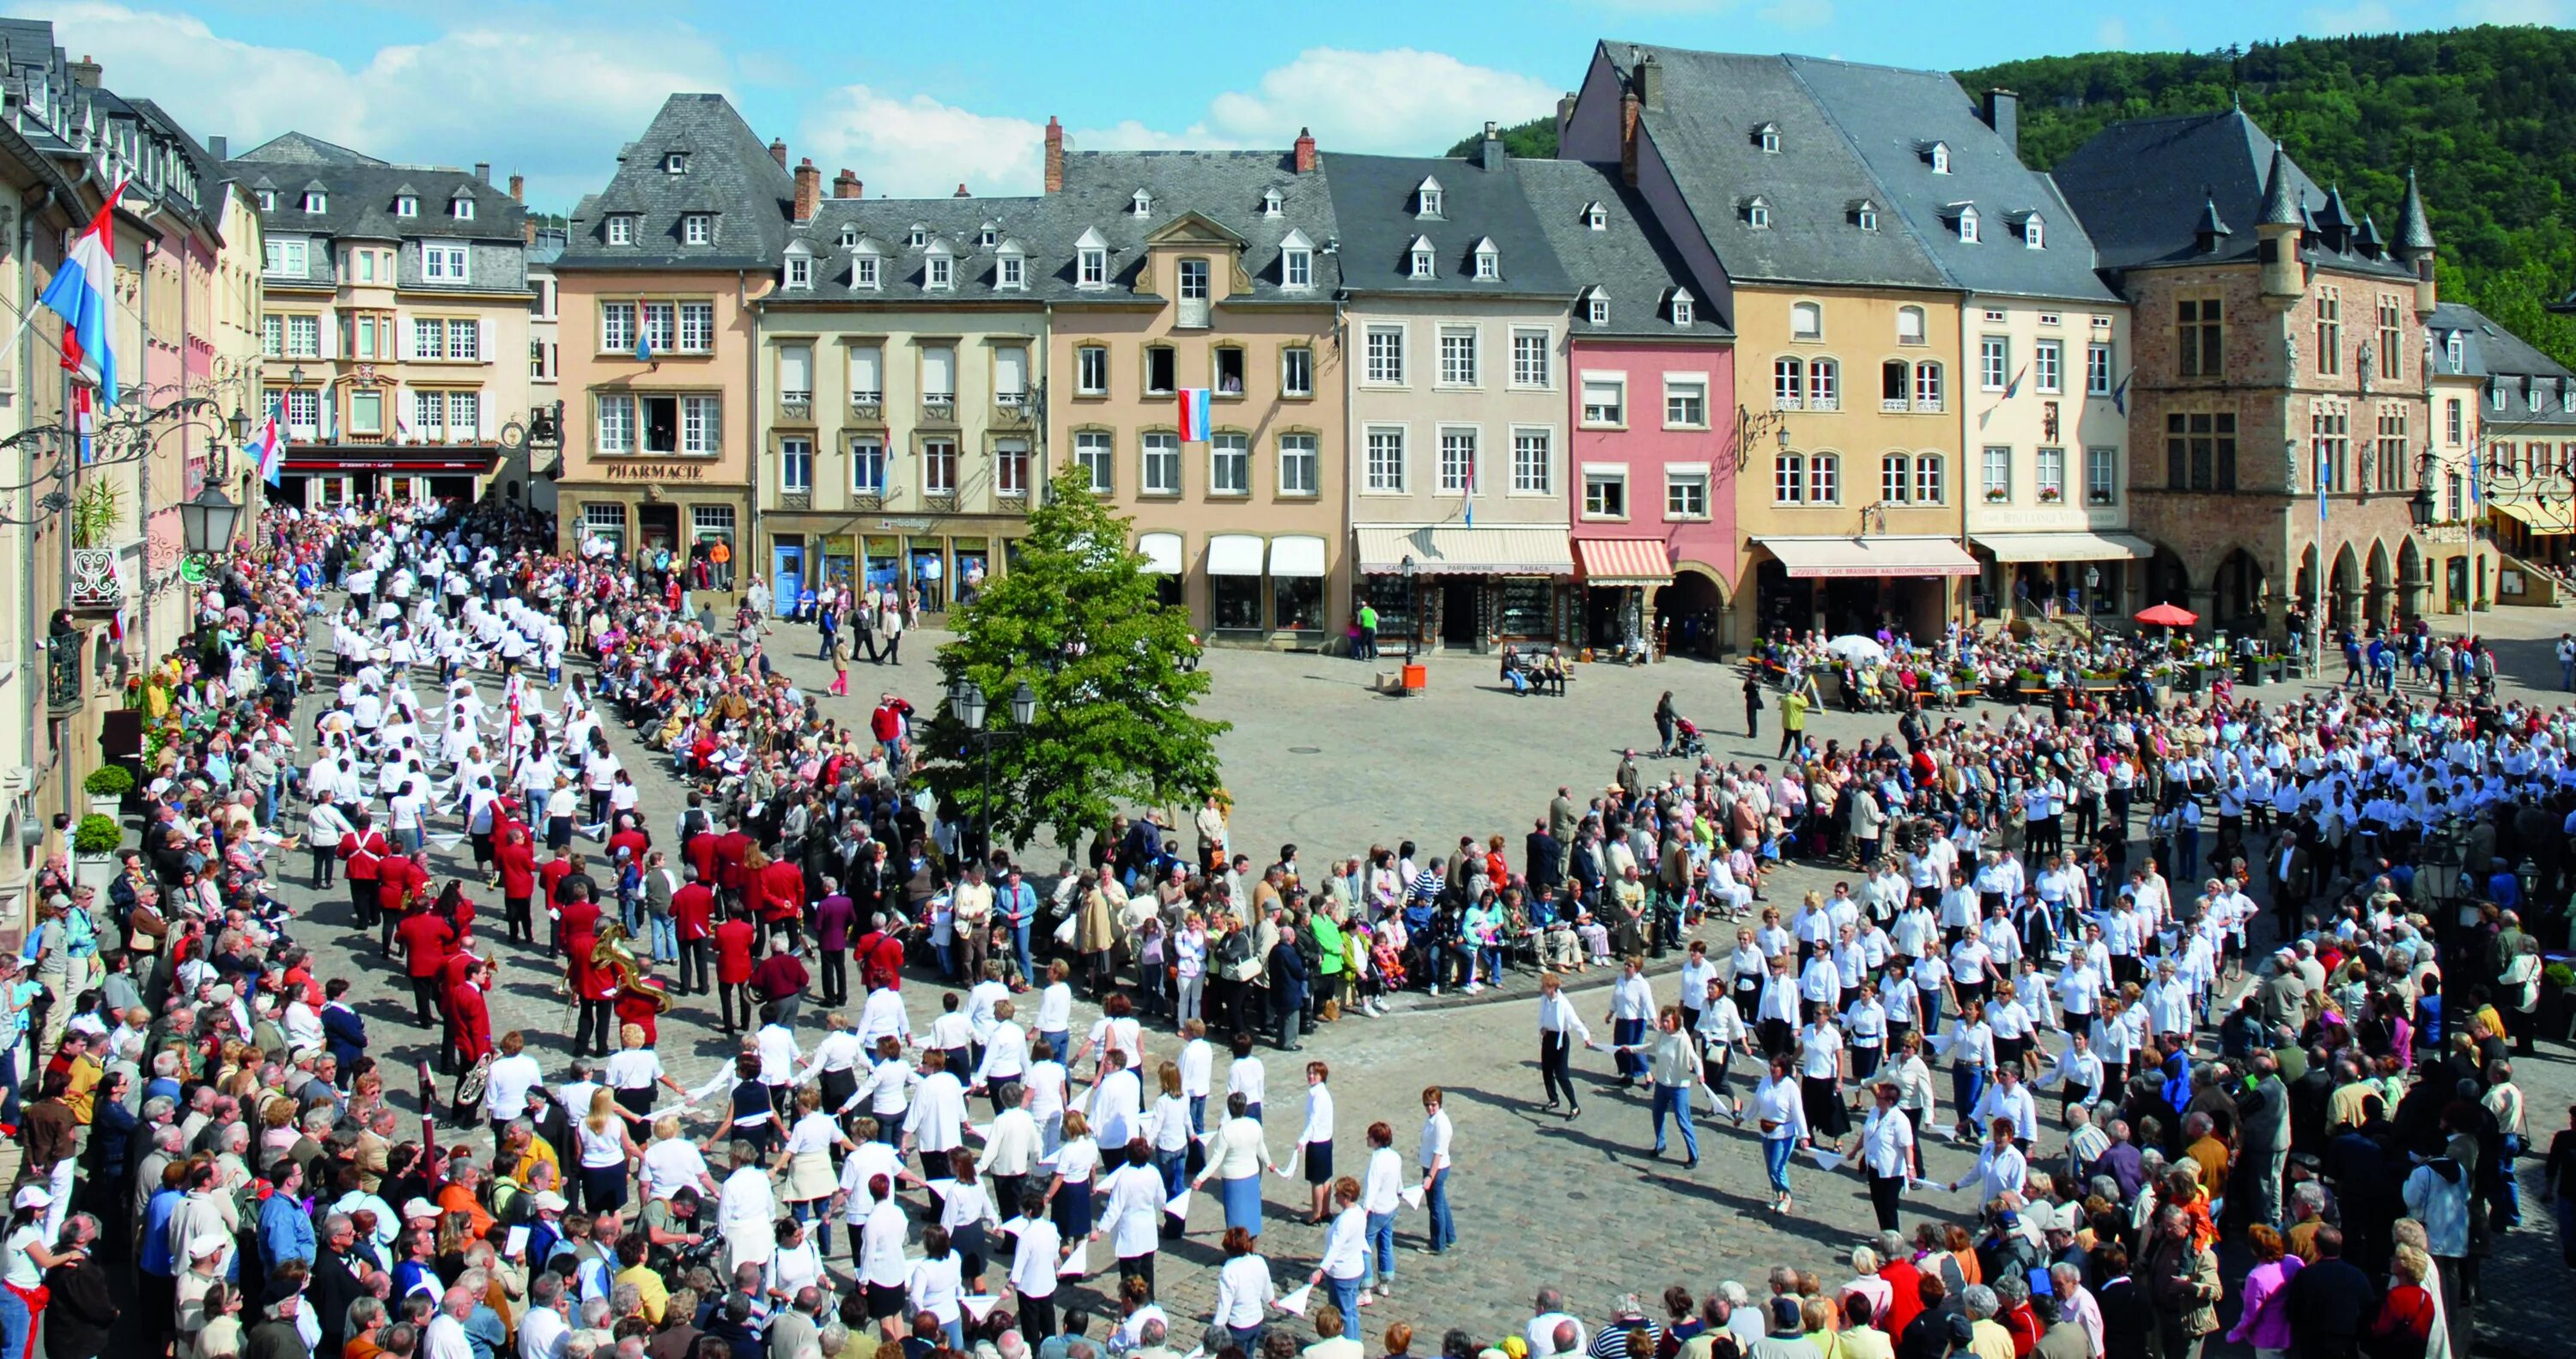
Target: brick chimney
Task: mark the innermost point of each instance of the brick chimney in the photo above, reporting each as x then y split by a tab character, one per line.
1628	137
518	188
1650	83
1305	151
86	71
1564	115
809	189
961	192
528	230
846	185
778	151
1054	155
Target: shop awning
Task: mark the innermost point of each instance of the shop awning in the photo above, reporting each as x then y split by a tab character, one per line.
2064	547
2536	517
1162	553
1297	557
1457	550
1809	558
1234	554
1623	561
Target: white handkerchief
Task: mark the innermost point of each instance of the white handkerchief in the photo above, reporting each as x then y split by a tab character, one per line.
1013	1227
978	1307
1825	1160
1178	1205
1294	1304
1941	1131
517	1244
1940	1043
1412	1195
446	841
1077	1264
1934	1185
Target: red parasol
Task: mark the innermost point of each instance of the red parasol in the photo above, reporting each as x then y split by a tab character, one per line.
2168	616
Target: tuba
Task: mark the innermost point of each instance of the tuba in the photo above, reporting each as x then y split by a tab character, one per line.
609	951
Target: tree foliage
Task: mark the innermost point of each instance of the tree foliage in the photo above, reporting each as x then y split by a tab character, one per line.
1533	140
1077	617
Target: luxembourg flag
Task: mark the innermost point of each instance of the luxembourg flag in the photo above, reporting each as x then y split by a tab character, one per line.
1194	415
79	295
270	452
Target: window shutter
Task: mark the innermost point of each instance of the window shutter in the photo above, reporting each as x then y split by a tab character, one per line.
483	339
1011	371
403	347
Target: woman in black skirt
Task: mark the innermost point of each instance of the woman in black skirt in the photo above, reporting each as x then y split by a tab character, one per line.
1822	1064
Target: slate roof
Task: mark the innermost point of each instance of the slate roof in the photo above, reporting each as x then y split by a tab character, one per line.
1705	130
1481	199
885	224
2140	186
2501	358
358	193
1225	187
1890	116
729	173
1630	258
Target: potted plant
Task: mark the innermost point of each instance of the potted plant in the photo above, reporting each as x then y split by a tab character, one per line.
2556	982
107	786
2050	495
1996	495
94	844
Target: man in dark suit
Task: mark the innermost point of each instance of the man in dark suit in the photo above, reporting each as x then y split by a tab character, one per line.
1287	988
2291	868
344	1030
2327	1301
336	1281
1542	860
80	1311
2128	1317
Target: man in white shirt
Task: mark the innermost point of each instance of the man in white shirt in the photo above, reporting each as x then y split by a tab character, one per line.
511	1076
1011	1146
543	1330
445	1338
1542	1329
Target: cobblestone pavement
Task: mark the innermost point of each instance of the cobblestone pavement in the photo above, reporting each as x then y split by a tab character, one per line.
1540	1200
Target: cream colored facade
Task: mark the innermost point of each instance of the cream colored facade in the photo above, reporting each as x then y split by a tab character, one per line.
1497	408
2046	449
864	475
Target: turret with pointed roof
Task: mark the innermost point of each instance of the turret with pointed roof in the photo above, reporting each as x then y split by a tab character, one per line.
2414	228
2283	203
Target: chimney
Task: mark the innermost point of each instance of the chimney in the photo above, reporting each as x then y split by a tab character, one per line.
1564	115
1489	153
1305	151
2003	114
518	187
809	189
528	230
1650	83
1628	137
1054	155
845	184
778	151
85	72
483	172
961	192
219	147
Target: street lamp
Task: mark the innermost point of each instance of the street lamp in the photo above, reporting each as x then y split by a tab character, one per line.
966	698
1412	608
240	424
207	522
2420	509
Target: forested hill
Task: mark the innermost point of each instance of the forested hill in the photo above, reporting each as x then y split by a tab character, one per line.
2487	116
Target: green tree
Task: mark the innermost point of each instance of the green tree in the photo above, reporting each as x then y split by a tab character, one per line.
1077	618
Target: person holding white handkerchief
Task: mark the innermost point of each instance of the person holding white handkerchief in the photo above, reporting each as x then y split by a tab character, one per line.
1886	1153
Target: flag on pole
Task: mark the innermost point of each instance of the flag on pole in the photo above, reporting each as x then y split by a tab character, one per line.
78	293
1194	415
1471	488
2013	388
268	452
643	340
2120	394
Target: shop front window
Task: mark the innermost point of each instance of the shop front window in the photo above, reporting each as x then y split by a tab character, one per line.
972	565
1234	602
1394	605
929	578
1524	606
1298	602
884	563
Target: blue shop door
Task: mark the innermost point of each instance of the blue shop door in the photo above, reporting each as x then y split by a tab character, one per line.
787	575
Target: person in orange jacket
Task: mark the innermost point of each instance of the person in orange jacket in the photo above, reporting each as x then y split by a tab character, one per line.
734	939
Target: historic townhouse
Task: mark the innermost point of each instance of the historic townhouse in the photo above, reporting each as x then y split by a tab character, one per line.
901	360
396	321
1649	397
1215	272
1852	520
1457	458
2280	357
2042	341
2493	393
660	365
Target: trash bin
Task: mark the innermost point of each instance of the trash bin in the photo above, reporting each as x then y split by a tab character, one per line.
1416	677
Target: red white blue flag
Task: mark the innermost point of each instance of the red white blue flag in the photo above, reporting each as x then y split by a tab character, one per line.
1194	415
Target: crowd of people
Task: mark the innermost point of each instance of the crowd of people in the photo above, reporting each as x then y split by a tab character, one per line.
2228	993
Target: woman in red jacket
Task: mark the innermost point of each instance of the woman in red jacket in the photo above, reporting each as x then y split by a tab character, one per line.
518	864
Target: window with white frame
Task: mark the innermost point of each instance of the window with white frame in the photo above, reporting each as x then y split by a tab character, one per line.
1928	487
406	205
617	424
1605	493
1095	452
1824	479
1091	370
303	337
1806	321
867	464
605	520
1011	271
867	375
939	467
1457	460
1011	468
800	271
1596	309
1010	377
1385	356
675	162
1968	225
1230	465
712	522
939	271
1297	370
428	338
1994	362
1788	383
2101	476
2048	366
1596	217
621	230
938	374
1458	356
461	207
1300	464
697	228
2452	427
2097	369
1271	202
1909	326
1927	387
1685	493
1532	358
1422	258
1489	265
304	412
1685	403
316	201
1605	399
864	270
444	264
1160	473
1533	462
1995	476
1092	269
661	324
1824	385
1789	479
272	335
2050	475
795	465
1426	198
1384	470
701	426
1297	267
697	327
2034	233
1895	478
1682	309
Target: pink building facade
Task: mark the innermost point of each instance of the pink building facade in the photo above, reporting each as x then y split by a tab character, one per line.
1653	487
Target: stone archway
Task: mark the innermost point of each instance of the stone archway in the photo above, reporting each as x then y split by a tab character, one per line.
2379	588
2343	590
2240	595
1691	612
2412	584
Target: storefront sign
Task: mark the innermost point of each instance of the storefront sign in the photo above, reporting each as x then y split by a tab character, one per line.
653	471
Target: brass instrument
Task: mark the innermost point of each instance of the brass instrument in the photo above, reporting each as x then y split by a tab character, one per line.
610	951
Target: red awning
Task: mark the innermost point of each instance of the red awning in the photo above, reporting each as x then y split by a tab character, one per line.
1623	561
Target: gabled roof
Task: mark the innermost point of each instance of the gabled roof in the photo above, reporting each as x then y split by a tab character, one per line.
358	193
1710	102
1631	260
2140	186
2503	359
1373	203
729	173
301	148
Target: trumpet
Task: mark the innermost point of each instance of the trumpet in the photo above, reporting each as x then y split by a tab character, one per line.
609	951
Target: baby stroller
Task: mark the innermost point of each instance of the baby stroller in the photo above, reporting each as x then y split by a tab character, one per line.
1686	740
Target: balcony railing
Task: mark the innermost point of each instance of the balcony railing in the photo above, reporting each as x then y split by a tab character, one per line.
1894	405
1787	403
796	405
1927	406
939	407
1824	403
63	690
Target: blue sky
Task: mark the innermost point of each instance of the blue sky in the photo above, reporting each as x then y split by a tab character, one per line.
919	98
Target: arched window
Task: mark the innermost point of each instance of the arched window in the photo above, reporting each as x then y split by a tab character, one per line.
1788	479
1824	479
1788	383
1824	385
1927	386
1895	478
1894	377
1806	321
1928	489
1909	325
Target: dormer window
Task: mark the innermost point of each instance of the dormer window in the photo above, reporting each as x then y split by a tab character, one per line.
1938	154
1426	198
461	207
1596	308
621	230
1489	261
1271	203
407	205
939	268
866	266
849	238
1767	137
1757	213
698	228
1011	266
1420	254
989	237
2034	233
918	237
1967	224
268	200
1868	217
675	162
2451	349
800	271
316	201
1142	204
1683	308
1091	261
1297	261
1596	217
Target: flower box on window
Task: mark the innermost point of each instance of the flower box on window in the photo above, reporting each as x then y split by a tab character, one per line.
2050	495
1996	495
2097	498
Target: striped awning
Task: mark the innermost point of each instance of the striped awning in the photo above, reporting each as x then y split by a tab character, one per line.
1623	561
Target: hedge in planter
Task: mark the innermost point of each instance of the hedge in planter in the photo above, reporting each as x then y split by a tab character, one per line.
97	834
109	780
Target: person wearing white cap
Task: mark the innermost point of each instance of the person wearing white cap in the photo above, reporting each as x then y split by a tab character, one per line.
26	1252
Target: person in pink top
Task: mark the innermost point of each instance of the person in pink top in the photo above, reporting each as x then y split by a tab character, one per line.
2265	1320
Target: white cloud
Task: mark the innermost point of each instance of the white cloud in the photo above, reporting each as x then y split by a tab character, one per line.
2369	16
2111	34
1396	101
1799	13
2556	13
554	102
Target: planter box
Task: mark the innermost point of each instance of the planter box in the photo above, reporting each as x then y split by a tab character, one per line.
112	807
94	871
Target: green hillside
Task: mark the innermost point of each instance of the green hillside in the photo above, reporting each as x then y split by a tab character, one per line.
2487	116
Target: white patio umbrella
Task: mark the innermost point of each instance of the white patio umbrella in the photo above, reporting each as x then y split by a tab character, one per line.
1858	650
